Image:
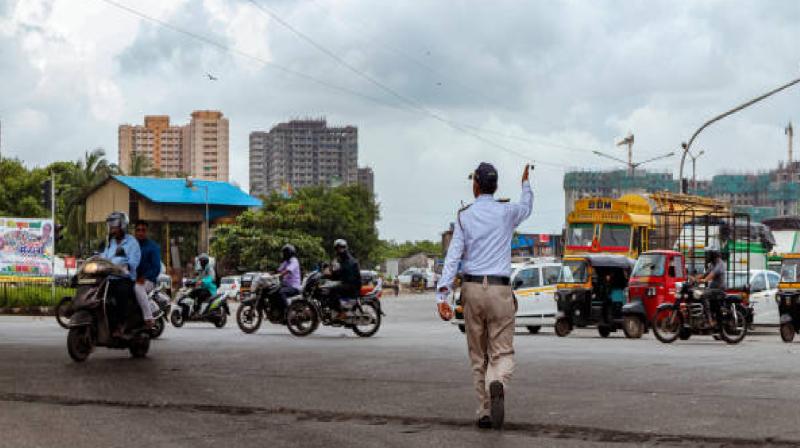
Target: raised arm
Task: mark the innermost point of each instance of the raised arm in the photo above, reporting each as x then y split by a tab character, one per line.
449	271
522	210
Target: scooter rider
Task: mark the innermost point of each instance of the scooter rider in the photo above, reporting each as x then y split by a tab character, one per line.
205	287
147	272
289	272
123	250
348	276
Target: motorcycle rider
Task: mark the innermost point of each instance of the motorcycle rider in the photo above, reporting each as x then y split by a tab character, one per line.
123	250
205	288
348	277
715	278
289	272
147	272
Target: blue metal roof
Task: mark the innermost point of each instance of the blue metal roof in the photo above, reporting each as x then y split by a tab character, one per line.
175	191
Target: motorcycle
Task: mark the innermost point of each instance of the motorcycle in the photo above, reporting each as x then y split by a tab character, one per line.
214	310
305	313
160	307
691	313
264	301
88	325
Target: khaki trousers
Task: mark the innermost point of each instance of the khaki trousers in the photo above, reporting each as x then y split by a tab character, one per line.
489	318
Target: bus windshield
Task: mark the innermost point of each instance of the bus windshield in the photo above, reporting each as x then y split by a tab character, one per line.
790	271
650	265
615	235
574	271
580	234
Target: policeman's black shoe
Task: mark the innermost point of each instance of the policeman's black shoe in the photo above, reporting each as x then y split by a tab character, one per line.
497	406
484	422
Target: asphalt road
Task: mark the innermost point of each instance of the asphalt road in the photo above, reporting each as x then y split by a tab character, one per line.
407	386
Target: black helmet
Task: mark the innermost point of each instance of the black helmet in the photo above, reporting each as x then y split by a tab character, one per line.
288	251
117	219
203	259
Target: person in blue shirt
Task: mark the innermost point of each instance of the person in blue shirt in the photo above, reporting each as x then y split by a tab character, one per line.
123	250
148	271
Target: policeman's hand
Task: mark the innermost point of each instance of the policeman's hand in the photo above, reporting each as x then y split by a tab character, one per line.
445	311
526	173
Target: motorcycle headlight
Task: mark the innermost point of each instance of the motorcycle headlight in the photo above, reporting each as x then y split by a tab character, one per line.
91	267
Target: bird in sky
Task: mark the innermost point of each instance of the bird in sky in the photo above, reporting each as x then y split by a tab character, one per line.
212	77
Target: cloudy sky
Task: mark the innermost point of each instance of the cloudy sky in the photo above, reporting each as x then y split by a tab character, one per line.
434	86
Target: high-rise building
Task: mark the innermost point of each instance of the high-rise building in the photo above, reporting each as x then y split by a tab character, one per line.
206	145
366	178
199	149
302	153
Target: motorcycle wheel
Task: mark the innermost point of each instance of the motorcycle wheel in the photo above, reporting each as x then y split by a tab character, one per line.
787	332
685	334
140	345
667	324
462	328
63	312
221	320
563	327
371	310
633	327
734	326
301	318
158	328
176	318
248	318
79	343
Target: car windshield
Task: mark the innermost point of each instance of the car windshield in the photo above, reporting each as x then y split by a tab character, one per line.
574	271
790	271
615	235
580	235
650	265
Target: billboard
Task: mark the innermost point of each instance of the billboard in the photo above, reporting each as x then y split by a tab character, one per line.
26	247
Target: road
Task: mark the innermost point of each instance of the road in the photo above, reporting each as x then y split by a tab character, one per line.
407	386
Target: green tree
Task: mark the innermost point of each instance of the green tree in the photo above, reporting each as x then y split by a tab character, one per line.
140	166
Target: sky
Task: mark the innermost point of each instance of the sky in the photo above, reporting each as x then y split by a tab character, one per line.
434	87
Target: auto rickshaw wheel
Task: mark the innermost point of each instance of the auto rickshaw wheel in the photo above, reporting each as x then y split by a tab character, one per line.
787	332
684	334
462	328
633	327
534	329
604	331
563	327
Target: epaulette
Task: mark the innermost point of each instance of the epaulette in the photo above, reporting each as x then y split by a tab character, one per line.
458	215
504	200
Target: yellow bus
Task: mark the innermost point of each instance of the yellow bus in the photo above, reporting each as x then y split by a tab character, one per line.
626	226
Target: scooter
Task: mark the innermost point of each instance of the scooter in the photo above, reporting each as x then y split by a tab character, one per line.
88	325
214	310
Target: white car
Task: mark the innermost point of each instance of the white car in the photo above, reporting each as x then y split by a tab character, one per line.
534	286
405	277
230	286
763	292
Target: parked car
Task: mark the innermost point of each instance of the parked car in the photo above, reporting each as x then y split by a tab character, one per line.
534	285
230	286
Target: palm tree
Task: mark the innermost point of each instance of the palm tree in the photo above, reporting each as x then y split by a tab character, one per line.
140	165
88	173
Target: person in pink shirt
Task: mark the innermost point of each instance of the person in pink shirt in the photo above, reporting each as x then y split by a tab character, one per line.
289	272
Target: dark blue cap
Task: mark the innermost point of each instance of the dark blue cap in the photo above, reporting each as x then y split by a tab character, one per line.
486	175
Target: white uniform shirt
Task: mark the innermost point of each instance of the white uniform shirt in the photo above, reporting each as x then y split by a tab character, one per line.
482	237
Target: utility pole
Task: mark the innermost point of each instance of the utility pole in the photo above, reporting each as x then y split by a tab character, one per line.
53	233
628	141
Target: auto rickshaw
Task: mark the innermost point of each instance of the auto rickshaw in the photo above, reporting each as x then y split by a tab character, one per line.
657	275
590	292
788	296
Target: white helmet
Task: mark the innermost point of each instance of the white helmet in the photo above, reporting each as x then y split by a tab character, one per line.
340	243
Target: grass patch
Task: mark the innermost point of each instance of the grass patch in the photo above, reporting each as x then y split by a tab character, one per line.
13	295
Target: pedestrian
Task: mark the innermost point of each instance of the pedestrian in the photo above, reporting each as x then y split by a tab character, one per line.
482	243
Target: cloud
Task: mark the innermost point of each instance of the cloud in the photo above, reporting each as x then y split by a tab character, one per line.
577	74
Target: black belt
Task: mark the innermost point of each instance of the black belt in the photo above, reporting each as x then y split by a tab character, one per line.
490	279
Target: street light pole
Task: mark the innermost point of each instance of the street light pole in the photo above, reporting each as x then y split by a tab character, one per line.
208	234
687	146
694	169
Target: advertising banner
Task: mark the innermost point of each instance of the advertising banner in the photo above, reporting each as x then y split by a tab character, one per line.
26	248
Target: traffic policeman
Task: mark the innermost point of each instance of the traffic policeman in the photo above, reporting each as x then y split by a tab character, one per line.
482	243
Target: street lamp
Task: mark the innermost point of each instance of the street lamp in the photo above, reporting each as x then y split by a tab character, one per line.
687	146
191	185
694	160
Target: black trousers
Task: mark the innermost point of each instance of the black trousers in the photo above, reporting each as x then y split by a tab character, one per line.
342	291
122	299
199	295
285	292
